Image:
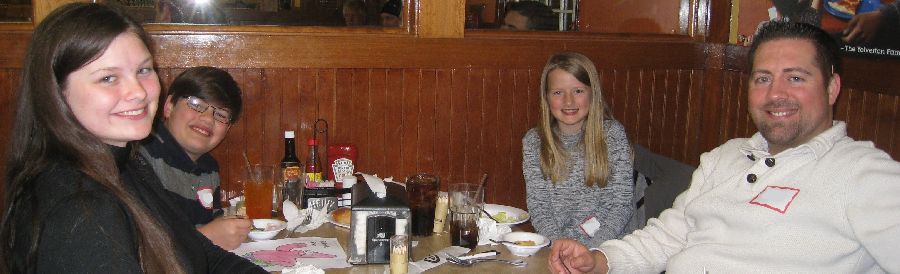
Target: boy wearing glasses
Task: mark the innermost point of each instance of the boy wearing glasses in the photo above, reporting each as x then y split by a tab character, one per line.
202	105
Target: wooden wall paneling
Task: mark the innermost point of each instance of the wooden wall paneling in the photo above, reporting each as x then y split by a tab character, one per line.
440	18
372	156
663	123
728	108
309	95
474	126
285	83
408	136
666	81
358	107
711	111
632	90
325	85
456	124
393	124
854	107
489	127
524	115
340	122
508	146
442	123
425	128
645	107
255	120
868	111
680	94
694	129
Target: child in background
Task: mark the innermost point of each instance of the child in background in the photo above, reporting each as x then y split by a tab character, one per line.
202	105
577	162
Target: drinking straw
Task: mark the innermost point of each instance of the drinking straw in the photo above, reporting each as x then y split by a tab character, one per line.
250	169
480	193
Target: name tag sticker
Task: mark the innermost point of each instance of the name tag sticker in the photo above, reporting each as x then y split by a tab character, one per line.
205	196
776	198
590	226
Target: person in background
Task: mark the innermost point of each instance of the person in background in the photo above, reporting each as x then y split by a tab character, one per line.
799	196
577	162
202	105
865	27
390	13
354	12
79	199
798	11
529	15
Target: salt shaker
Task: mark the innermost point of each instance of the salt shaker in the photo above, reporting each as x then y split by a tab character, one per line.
440	212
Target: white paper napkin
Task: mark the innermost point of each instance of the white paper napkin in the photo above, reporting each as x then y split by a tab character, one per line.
301	268
436	259
295	217
489	229
376	185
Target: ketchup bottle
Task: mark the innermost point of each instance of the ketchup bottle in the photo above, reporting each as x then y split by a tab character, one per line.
341	162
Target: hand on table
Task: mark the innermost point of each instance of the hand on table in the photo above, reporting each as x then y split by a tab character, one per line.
227	233
862	27
569	256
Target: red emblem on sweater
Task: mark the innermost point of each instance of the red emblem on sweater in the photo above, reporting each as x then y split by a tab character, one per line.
776	198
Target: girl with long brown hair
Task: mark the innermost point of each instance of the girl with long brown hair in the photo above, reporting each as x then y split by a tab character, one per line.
79	199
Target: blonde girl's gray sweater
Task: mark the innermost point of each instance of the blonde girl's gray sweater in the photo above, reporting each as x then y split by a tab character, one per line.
558	210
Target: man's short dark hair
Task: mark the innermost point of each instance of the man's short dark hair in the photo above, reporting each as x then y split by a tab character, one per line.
827	48
211	84
540	16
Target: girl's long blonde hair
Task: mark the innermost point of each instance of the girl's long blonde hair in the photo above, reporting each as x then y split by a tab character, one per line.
554	159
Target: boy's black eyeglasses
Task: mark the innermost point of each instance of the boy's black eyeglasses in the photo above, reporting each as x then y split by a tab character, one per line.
219	114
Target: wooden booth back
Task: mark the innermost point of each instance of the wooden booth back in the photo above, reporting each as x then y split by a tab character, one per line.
458	108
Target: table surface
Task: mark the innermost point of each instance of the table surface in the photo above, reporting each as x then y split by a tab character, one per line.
537	263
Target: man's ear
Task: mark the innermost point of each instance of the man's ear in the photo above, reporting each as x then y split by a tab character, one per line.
168	107
834	88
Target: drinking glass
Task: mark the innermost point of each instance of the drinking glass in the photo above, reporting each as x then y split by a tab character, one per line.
465	210
259	184
422	191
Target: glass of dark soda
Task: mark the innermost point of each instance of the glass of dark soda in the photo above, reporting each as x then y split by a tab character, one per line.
422	192
465	210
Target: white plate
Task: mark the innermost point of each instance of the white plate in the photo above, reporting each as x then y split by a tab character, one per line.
520	215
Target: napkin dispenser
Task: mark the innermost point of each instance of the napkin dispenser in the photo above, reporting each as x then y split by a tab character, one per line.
374	219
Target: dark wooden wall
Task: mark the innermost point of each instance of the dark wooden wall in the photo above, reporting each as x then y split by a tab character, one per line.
459	107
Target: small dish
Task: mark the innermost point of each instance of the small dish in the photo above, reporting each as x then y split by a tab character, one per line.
265	229
506	215
519	243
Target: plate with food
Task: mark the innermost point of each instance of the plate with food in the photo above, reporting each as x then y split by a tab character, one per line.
506	215
340	217
844	9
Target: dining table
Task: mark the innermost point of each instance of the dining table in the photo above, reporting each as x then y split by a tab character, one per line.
426	245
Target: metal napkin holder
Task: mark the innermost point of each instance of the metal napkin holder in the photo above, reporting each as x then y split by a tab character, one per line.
374	220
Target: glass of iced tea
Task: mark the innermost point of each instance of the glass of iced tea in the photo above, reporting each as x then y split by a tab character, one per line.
465	210
259	181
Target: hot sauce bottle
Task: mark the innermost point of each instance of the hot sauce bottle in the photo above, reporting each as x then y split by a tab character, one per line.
313	168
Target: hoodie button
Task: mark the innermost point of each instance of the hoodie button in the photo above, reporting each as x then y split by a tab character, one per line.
770	162
751	178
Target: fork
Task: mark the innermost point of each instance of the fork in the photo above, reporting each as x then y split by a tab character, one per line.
470	262
306	221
